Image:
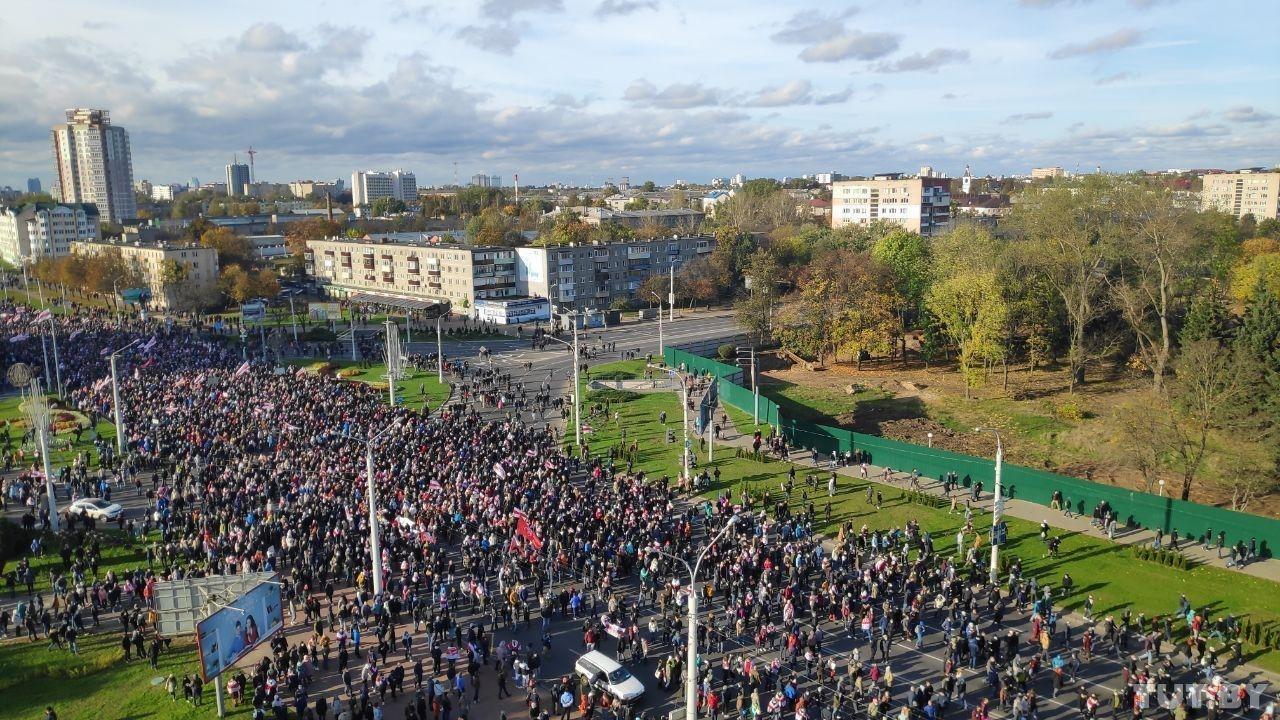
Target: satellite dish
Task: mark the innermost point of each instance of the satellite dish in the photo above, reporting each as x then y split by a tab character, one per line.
19	374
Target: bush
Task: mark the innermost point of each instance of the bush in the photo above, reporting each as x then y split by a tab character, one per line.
322	368
613	375
319	334
926	499
611	395
1068	410
15	542
726	351
1163	556
349	372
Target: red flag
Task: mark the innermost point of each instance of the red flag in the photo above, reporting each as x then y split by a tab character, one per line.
525	530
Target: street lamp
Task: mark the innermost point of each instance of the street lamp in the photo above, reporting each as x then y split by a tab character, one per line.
997	507
684	406
439	351
577	387
375	543
661	344
691	652
115	398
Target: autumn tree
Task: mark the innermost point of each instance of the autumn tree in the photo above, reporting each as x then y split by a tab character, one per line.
755	309
967	299
844	304
1062	233
1155	258
232	249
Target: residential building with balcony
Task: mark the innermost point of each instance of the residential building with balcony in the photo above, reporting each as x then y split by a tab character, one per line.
591	277
374	269
39	230
168	269
921	205
1243	193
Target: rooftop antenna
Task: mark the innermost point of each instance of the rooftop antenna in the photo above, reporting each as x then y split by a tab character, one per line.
251	152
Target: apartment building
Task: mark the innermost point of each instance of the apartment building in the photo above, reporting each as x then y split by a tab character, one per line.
1047	173
196	267
39	230
369	185
458	274
238	179
93	164
921	205
591	277
1243	193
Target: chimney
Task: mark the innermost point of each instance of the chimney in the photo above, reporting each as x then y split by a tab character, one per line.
328	206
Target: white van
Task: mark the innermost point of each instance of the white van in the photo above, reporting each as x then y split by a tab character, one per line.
605	674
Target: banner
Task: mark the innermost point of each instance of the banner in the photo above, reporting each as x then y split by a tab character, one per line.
525	530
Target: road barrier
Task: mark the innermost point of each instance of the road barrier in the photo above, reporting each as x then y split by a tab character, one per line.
1132	507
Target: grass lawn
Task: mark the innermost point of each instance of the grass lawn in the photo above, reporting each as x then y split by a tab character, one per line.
97	683
1107	571
64	448
414	389
830	406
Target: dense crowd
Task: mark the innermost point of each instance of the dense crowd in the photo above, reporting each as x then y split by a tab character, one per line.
487	527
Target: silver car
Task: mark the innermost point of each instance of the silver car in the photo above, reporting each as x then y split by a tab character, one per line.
95	508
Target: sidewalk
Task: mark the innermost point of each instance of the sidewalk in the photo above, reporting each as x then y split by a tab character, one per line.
1267	569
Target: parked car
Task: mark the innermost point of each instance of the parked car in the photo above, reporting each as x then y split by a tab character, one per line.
607	675
95	508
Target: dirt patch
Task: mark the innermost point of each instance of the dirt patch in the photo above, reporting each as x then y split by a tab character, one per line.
1043	426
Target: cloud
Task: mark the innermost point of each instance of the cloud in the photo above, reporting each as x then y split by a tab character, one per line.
402	11
504	9
566	100
852	44
1044	4
1247	114
1109	43
677	96
796	92
950	96
929	61
807	27
268	37
501	38
96	25
613	8
1114	78
1018	118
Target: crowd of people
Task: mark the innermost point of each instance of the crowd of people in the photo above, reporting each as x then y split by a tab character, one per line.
488	529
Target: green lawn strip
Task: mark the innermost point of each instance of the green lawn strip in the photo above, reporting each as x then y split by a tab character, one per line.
119	553
412	390
1106	570
816	404
63	447
97	682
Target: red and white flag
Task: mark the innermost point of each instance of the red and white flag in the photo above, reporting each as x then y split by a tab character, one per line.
44	315
242	369
499	470
525	530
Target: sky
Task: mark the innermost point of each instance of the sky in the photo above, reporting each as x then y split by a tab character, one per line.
585	91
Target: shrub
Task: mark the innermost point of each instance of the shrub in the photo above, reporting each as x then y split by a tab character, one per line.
726	351
1068	410
349	372
319	334
614	375
612	395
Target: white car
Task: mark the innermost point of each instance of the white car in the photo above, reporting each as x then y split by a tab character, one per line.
95	508
604	673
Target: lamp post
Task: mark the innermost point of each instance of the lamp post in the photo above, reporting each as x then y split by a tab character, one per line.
439	351
661	344
684	406
293	319
691	653
115	398
375	542
930	439
997	507
39	412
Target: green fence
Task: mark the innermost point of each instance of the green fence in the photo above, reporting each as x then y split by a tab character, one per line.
1191	520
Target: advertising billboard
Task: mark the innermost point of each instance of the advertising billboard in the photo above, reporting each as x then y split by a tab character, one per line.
253	312
237	628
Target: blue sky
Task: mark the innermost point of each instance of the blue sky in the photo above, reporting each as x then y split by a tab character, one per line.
582	91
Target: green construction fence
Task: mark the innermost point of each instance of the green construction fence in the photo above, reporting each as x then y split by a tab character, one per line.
1132	507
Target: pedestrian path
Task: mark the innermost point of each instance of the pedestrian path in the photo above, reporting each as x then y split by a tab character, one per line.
1267	569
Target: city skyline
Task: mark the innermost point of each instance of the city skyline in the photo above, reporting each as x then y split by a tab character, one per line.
563	91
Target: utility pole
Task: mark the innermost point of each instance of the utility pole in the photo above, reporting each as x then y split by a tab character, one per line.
115	398
671	295
393	359
375	549
39	413
57	371
748	354
439	351
577	385
997	509
661	344
294	319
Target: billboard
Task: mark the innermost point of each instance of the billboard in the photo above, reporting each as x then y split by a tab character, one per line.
181	604
510	312
237	628
324	311
253	312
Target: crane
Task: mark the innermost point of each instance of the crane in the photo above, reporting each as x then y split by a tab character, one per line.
251	152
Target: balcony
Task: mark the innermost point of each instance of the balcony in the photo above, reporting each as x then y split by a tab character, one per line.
638	253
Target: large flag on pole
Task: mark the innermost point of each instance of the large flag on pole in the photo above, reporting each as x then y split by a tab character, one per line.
44	315
242	369
525	530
